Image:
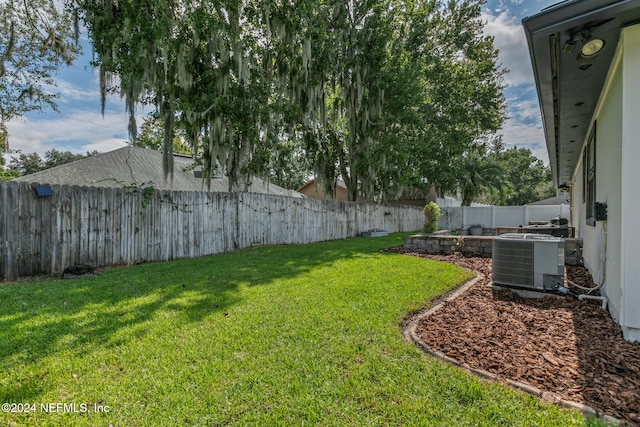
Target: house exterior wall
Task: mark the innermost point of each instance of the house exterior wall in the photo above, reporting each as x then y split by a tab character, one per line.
617	175
606	235
578	207
314	190
630	202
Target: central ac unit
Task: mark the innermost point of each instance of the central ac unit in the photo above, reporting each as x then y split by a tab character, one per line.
531	261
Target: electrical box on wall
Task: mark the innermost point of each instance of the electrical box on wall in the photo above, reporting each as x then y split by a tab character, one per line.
601	211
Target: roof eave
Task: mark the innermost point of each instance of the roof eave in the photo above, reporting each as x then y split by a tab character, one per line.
549	130
567	93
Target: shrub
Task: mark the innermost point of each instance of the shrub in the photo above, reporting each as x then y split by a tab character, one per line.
432	213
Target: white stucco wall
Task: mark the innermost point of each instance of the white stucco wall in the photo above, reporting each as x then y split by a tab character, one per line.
630	194
617	184
577	206
606	234
608	158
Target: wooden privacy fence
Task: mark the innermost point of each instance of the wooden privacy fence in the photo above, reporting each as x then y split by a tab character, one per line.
103	226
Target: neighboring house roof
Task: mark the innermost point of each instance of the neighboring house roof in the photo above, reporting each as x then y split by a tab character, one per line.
560	199
141	167
568	83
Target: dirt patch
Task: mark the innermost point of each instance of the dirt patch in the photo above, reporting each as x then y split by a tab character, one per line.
568	349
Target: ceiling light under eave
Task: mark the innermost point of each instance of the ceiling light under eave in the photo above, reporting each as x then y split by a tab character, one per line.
591	48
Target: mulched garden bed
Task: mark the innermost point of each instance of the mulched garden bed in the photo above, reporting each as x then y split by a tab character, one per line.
570	348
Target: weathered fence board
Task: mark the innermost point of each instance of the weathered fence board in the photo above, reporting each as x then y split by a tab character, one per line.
115	226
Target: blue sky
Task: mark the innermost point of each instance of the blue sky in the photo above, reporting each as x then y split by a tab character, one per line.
503	18
80	126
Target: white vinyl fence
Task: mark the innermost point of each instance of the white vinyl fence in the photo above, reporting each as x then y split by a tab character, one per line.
115	226
453	218
450	202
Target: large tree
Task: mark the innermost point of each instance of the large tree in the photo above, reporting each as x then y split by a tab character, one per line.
528	178
474	174
37	37
26	164
404	87
355	92
380	93
460	89
206	63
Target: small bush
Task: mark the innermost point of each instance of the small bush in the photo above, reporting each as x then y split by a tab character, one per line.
432	213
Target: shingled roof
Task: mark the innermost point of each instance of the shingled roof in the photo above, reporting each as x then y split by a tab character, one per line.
560	199
141	167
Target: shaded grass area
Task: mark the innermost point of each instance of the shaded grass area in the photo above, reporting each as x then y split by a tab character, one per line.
278	335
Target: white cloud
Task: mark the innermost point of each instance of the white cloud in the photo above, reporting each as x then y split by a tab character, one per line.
105	145
523	127
76	131
531	136
525	109
510	40
69	92
79	126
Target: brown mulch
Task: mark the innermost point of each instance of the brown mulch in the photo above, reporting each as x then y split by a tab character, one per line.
570	348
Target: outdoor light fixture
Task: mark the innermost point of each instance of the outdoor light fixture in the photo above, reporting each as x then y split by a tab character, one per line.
591	47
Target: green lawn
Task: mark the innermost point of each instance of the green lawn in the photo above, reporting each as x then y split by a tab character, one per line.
279	335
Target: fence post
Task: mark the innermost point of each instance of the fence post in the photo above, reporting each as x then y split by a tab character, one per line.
493	217
464	216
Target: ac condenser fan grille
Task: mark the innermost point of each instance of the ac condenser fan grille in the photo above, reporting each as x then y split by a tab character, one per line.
532	261
513	263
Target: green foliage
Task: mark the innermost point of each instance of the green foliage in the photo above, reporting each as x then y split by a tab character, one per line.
147	189
474	174
218	79
8	174
25	164
432	213
528	178
36	39
151	135
379	93
358	55
450	93
289	166
4	142
277	335
53	157
493	174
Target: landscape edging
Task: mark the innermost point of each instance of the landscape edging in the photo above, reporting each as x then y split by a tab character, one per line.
409	327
